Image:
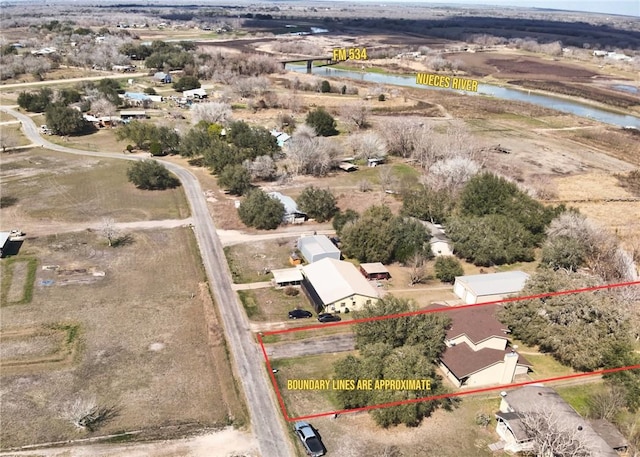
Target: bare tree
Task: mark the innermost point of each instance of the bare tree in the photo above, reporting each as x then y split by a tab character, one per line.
368	145
103	107
607	403
417	269
400	136
309	154
550	436
451	174
356	114
263	168
85	413
108	230
8	138
212	112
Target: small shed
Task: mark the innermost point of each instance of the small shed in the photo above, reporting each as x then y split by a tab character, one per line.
294	259
317	247
162	77
287	277
485	288
375	270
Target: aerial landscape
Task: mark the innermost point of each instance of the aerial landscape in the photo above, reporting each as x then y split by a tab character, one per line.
316	228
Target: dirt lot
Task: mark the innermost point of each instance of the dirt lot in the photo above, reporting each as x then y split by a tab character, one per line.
142	342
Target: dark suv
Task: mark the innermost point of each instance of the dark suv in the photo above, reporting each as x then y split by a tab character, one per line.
299	314
328	317
310	439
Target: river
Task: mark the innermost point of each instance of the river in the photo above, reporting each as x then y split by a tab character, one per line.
547	101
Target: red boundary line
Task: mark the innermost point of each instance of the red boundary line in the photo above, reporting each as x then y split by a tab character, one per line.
441	396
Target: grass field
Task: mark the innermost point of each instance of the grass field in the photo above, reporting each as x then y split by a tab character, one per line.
144	345
269	304
52	186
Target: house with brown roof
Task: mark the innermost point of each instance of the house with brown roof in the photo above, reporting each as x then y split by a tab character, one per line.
478	352
518	404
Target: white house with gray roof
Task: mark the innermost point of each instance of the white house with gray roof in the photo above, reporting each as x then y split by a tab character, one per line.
489	287
335	286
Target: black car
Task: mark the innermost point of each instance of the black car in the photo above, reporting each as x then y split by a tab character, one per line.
299	314
311	441
328	317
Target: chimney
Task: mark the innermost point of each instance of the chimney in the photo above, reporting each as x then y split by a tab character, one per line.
510	362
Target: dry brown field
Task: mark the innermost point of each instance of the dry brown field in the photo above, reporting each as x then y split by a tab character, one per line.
133	327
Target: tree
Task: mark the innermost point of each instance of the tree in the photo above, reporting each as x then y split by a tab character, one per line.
379	236
368	145
86	413
452	174
235	178
579	330
356	114
417	270
150	91
152	175
490	240
108	230
343	218
63	120
35	102
261	211
103	107
186	83
325	87
395	348
211	112
400	135
552	436
427	204
447	268
319	204
309	154
323	123
262	168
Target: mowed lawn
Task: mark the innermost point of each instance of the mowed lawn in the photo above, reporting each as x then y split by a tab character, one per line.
57	187
145	347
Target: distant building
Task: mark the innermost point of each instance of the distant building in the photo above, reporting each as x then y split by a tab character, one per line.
127	115
317	247
375	270
484	288
335	286
540	400
292	215
198	94
281	137
162	77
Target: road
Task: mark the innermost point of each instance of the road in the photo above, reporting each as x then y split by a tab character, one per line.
249	363
312	346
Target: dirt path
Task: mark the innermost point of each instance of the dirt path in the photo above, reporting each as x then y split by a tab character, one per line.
224	443
231	237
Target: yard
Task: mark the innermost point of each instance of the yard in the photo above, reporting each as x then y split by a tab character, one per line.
53	189
445	434
253	262
132	327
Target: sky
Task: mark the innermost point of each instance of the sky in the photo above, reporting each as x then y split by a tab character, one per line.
624	7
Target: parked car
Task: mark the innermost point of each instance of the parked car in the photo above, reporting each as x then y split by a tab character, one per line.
310	439
328	317
299	314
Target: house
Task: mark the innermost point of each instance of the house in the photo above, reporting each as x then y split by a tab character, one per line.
375	270
477	352
198	94
485	288
162	77
317	247
291	213
287	277
336	286
4	242
440	244
536	399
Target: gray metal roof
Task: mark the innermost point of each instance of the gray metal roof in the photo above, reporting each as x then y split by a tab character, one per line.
506	282
316	244
334	280
290	205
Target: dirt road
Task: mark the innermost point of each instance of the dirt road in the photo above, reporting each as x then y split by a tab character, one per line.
266	419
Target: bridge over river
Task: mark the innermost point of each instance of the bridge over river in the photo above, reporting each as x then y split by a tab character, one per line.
326	60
